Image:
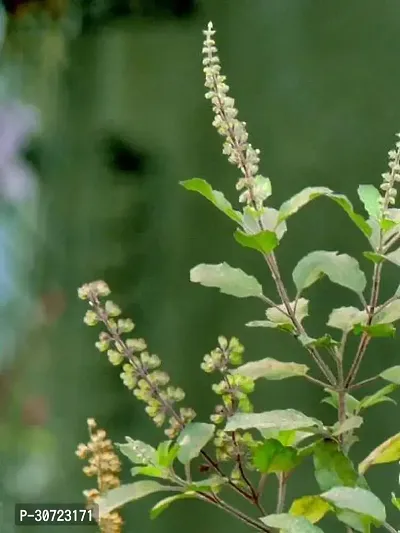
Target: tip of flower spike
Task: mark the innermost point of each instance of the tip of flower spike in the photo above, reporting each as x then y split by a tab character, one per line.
91	422
84	291
95	288
209	32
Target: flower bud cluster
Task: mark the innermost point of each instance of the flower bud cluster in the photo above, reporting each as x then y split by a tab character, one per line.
233	390
140	369
236	146
106	466
227	353
390	179
228	448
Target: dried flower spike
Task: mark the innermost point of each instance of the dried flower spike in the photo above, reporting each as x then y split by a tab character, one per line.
106	466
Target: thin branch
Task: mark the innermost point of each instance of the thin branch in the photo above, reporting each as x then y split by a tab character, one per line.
261	485
362	347
188	473
230	482
253	492
388	527
274	269
318	382
389	301
342	346
363	300
271	303
244	476
393	239
282	484
215	500
256	524
377	274
365	338
341	399
362	383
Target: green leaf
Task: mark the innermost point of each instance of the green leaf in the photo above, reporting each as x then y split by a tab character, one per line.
291	206
314	508
349	424
359	500
391	374
332	467
227	279
390	313
378	397
211	484
192	440
138	452
262	187
119	496
271	369
162	505
299	200
307	450
264	241
288	523
358	220
353	520
163	452
326	341
371	198
345	318
374	257
215	197
269	219
341	269
388	224
268	324
378	330
150	471
387	452
375	237
167	453
286	437
396	502
281	419
271	456
278	316
351	403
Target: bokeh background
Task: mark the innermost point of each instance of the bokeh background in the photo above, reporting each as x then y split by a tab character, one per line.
91	191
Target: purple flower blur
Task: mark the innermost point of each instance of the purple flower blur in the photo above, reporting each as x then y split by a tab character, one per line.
18	122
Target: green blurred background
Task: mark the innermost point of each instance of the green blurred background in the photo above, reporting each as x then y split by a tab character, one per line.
119	87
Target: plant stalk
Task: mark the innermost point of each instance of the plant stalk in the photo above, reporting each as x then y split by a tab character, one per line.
273	266
255	524
282	484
